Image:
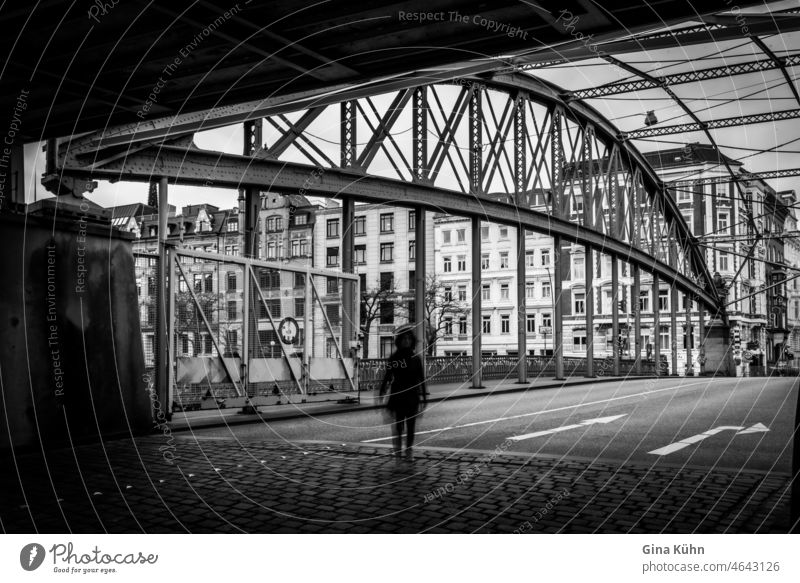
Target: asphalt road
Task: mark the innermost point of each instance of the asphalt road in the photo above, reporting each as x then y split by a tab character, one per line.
725	423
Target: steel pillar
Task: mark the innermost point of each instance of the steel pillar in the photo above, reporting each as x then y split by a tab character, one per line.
420	279
615	316
689	336
522	338
162	300
637	319
656	326
589	272
348	305
558	311
673	324
476	304
701	335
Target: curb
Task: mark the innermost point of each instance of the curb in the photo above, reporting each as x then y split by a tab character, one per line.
244	419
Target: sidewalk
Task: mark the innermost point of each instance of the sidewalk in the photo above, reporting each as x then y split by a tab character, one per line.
439	392
216	485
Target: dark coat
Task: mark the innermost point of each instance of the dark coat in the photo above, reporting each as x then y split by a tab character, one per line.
405	379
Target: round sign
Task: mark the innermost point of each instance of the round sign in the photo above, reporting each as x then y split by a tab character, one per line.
288	330
747	355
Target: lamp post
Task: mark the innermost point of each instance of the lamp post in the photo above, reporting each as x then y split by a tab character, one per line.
552	307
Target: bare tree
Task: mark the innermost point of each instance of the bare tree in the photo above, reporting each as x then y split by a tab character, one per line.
372	300
440	307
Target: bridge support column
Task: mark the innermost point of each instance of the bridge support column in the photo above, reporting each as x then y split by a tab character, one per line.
688	335
522	338
558	311
673	324
615	315
162	363
637	319
701	335
589	272
348	305
420	278
656	326
476	304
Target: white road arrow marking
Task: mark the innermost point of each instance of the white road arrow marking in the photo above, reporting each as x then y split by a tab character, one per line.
679	445
757	428
567	427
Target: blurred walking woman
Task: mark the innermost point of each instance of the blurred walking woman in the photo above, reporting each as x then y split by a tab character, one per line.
405	379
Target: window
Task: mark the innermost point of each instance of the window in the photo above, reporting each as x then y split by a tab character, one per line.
360	226
231	281
268	343
272	250
332	285
644	301
486	324
332	257
274	308
387	312
387	222
387	280
530	258
579	341
486	292
208	280
722	221
547	320
503	291
462	325
505	324
412	279
332	229
580	303
546	291
448	294
151	285
387	346
462	262
231	340
504	260
485	261
448	327
530	289
723	261
362	282
387	252
663	300
462	293
530	323
578	270
198	282
503	233
269	279
461	235
301	219
684	192
299	280
545	257
447	265
360	254
274	223
412	250
446	237
232	312
332	311
299	307
330	348
412	220
233	226
663	337
484	233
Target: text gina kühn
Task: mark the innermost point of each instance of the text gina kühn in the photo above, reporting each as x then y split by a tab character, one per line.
682	549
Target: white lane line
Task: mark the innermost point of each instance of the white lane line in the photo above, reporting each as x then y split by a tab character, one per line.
567	427
757	428
679	445
557	409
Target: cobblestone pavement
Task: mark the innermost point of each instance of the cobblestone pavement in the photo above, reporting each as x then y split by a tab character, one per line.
224	486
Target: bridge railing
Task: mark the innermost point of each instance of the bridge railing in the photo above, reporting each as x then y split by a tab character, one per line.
458	369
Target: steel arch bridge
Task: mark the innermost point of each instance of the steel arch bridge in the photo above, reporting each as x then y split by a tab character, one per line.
507	148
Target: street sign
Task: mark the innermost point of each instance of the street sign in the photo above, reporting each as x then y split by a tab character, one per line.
545	330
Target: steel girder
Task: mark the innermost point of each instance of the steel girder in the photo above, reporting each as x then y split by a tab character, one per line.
508	149
727	122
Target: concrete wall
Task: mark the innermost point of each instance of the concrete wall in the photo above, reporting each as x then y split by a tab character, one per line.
71	360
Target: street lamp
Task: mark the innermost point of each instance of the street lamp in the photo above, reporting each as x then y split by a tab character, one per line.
553	312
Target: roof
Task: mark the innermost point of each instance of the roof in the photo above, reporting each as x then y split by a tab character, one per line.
689	155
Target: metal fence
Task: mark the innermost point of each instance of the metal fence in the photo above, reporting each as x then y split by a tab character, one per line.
458	369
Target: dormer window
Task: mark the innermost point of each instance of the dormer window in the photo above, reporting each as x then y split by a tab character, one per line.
233	226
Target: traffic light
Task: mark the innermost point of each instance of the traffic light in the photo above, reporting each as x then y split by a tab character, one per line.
622	305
